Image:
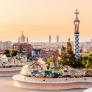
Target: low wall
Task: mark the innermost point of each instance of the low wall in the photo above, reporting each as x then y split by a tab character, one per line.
51	83
9	71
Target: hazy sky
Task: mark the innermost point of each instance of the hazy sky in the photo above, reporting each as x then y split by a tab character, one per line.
40	18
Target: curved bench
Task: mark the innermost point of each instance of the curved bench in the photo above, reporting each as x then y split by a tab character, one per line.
9	71
51	83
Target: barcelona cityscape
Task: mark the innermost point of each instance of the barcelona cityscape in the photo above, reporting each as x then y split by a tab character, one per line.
45	46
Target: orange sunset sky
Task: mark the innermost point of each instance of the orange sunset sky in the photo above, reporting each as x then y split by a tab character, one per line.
40	18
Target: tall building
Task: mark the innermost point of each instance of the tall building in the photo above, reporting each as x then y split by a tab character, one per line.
50	39
77	34
57	38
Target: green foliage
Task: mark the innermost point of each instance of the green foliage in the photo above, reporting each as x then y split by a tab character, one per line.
7	53
14	53
67	57
86	60
10	53
48	60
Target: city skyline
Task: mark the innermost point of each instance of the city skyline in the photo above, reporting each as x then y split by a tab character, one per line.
39	19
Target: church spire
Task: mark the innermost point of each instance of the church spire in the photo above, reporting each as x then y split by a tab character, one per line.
27	40
22	37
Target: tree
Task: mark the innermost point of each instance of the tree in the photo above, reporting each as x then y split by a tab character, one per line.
69	46
86	60
10	53
48	60
70	54
63	60
7	53
14	53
